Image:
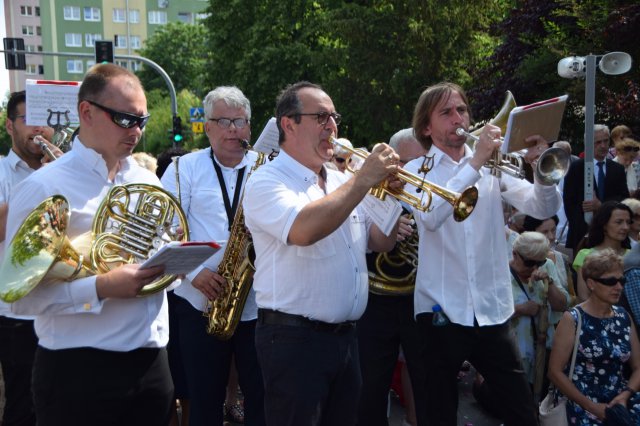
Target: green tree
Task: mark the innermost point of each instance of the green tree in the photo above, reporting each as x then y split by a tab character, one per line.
5	139
179	49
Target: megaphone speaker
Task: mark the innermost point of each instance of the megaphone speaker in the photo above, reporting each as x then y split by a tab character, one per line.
572	67
615	63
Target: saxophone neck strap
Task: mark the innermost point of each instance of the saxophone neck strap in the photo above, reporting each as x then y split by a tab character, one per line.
228	206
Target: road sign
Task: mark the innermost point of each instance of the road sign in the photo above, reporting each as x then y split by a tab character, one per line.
196	115
14	61
197	127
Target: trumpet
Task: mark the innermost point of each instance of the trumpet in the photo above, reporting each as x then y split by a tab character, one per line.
550	166
463	203
39	140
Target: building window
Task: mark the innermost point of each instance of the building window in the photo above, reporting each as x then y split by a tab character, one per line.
119	15
120	41
157	17
71	13
185	17
30	48
37	10
38	30
92	14
90	63
41	69
90	39
73	40
26	11
201	16
74	66
28	30
136	66
31	69
40	48
134	16
134	42
123	64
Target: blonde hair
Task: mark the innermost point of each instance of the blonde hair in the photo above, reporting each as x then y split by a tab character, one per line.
599	262
633	204
532	245
621	144
145	160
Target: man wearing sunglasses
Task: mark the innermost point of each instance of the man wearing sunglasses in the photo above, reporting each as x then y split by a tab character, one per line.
627	150
211	185
310	238
101	355
17	338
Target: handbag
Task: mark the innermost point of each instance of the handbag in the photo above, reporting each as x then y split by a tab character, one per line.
553	408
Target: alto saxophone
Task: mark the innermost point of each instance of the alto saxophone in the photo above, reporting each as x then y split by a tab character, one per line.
237	268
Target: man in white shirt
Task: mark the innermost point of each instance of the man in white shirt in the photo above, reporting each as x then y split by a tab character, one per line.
463	266
310	239
17	339
211	185
101	355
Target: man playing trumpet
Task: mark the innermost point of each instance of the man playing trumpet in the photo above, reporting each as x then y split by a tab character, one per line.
463	266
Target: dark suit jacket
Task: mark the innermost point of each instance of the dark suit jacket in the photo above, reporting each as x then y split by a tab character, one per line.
615	188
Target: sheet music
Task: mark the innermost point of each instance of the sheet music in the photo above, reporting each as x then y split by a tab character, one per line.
181	258
51	103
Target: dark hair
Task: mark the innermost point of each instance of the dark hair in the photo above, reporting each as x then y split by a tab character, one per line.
289	104
531	223
98	77
15	99
601	218
427	103
166	157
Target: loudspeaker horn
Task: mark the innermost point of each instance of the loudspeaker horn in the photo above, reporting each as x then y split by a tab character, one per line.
615	63
572	67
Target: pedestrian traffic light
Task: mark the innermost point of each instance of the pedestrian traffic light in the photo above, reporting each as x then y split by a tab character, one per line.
14	61
177	130
104	51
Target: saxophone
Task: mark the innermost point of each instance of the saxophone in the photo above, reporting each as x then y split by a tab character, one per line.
237	268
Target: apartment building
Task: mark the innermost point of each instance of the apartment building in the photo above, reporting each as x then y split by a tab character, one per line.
73	26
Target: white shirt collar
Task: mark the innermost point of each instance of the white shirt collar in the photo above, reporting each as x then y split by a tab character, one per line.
95	161
299	171
15	161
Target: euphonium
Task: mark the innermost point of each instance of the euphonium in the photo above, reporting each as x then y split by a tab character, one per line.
131	223
237	268
463	203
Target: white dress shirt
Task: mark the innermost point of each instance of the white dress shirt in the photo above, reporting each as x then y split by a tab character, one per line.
202	202
463	266
326	281
69	314
13	170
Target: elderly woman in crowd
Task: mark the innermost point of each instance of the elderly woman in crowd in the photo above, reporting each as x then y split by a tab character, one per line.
609	229
626	154
598	389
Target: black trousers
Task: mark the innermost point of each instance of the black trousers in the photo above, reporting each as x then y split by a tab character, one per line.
492	352
311	375
91	386
18	343
387	324
206	362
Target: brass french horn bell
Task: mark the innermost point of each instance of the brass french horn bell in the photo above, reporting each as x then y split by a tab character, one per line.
463	203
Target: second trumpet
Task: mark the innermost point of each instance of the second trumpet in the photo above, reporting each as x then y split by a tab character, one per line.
463	203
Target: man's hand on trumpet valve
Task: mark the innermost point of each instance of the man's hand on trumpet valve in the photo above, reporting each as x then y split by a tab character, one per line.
382	162
486	146
54	150
537	145
405	229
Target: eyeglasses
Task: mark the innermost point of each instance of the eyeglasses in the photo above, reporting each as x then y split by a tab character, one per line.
530	263
19	116
225	123
123	119
341	160
322	117
631	149
611	281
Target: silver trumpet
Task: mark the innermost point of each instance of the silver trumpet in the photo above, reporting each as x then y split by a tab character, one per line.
550	166
39	140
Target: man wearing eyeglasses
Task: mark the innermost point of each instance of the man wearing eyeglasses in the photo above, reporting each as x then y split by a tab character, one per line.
609	184
101	355
17	338
211	185
310	238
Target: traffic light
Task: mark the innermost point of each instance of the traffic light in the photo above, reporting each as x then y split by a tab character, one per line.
177	130
14	61
104	51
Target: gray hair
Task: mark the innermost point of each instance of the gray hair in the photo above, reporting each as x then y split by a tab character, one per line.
230	95
632	203
601	128
532	245
563	145
401	136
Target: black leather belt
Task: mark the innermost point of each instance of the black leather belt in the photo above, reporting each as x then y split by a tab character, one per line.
269	317
13	322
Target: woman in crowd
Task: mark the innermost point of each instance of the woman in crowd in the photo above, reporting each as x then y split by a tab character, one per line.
634	232
627	151
609	229
548	227
598	388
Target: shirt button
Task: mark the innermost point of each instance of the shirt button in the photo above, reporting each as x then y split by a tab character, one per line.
87	306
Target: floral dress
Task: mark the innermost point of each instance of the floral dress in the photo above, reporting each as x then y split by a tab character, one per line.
604	348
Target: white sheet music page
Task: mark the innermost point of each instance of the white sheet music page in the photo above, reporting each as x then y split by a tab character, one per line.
385	213
181	258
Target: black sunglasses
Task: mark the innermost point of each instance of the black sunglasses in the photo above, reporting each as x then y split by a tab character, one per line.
631	149
530	263
611	281
123	119
341	160
322	117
